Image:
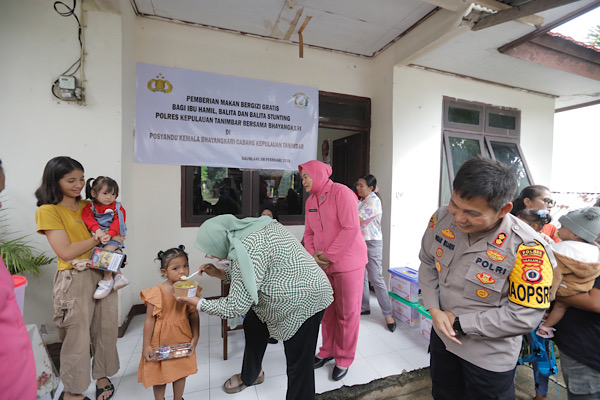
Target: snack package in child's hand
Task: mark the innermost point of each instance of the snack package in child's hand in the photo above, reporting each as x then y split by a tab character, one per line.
175	351
107	260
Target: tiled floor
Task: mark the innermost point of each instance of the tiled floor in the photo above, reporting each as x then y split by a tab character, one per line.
380	353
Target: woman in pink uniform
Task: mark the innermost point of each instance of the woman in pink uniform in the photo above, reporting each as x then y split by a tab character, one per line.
17	364
332	235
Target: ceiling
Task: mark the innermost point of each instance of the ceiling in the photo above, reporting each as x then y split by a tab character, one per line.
367	28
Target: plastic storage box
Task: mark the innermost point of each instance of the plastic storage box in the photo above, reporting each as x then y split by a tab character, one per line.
405	313
404	282
175	351
425	326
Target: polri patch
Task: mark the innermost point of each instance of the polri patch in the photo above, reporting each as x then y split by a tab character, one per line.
482	293
439	252
531	277
495	255
438	266
485	278
448	233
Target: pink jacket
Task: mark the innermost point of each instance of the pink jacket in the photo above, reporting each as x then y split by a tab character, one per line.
331	221
17	365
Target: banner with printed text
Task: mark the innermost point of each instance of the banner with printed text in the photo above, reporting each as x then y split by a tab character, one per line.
186	117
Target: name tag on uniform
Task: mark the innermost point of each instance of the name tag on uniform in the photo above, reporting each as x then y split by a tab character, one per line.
312	210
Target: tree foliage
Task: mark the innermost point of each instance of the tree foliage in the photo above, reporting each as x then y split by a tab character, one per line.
593	36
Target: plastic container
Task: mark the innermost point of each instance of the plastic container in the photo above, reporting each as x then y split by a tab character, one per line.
405	313
404	282
175	351
425	326
185	288
20	285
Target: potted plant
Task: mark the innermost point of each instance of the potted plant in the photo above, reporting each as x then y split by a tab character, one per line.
19	255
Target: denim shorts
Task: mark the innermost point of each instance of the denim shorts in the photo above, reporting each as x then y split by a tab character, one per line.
582	381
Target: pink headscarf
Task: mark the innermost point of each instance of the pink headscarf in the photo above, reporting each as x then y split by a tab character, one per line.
319	172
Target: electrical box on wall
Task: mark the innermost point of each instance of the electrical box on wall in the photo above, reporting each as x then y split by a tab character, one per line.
67	88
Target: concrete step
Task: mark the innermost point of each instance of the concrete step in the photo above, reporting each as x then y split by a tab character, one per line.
416	385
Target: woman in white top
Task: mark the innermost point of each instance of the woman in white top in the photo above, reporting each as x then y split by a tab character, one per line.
369	211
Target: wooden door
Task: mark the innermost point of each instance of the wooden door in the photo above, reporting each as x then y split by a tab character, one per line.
349	159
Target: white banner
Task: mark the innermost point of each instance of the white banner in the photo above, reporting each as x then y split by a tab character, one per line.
186	117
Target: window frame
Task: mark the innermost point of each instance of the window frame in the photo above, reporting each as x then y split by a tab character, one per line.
514	133
483	132
462	135
490	139
448	103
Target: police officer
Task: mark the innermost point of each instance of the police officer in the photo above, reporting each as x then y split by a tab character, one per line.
485	278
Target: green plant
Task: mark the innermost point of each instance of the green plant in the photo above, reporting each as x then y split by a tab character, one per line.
18	254
20	257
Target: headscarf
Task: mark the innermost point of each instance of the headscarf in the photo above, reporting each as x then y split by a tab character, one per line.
221	236
271	208
319	172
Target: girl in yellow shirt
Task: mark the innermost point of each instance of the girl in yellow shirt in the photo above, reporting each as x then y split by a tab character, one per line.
76	313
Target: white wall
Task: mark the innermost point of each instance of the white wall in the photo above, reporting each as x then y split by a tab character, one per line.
417	144
37	45
576	144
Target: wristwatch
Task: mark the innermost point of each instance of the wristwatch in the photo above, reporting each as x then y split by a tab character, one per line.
456	326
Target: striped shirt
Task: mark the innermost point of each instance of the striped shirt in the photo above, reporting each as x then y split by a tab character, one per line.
291	286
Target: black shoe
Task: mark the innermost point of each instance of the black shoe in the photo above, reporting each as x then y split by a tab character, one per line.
272	341
319	362
338	373
365	312
392	326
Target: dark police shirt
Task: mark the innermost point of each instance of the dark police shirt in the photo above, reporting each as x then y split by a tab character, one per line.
578	335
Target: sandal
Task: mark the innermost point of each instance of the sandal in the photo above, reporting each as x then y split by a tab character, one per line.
107	388
239	384
62	397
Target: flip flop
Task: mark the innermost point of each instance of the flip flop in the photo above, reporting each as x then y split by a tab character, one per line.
106	388
239	384
62	397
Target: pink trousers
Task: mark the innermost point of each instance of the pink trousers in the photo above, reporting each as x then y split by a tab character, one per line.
341	320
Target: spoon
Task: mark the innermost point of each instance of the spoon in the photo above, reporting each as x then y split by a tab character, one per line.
185	278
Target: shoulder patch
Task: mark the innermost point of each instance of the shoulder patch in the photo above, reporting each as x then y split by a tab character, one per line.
432	222
499	241
531	277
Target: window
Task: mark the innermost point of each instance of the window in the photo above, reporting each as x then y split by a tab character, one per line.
509	152
502	122
214	191
465	116
472	129
209	191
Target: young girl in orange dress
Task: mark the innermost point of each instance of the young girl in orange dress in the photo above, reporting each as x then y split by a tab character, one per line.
168	322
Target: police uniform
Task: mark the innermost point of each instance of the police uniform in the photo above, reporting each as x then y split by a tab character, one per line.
497	283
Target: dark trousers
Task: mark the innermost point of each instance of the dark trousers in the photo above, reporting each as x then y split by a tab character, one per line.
454	378
299	355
